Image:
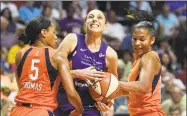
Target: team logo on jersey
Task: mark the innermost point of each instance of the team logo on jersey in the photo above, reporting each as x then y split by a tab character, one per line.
101	55
74	53
83	50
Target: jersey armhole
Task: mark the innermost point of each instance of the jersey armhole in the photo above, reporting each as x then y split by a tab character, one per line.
22	61
71	54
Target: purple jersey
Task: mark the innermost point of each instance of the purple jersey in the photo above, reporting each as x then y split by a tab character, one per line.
82	58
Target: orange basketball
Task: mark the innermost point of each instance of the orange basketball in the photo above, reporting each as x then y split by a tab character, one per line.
104	90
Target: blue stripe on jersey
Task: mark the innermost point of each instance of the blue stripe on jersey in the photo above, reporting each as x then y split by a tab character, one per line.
155	81
52	72
22	61
50	113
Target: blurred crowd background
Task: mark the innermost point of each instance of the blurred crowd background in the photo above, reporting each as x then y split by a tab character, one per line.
68	16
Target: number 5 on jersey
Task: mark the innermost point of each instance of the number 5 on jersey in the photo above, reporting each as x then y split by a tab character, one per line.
35	69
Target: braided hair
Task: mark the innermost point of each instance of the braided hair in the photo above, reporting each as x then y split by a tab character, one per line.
143	20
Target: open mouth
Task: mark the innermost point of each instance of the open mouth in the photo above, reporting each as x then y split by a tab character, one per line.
94	25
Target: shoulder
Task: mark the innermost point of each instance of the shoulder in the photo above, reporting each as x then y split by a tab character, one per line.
71	36
150	56
111	53
150	59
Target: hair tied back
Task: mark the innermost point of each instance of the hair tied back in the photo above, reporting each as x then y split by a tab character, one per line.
24	38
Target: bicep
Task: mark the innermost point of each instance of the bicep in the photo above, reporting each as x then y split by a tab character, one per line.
148	70
112	62
67	44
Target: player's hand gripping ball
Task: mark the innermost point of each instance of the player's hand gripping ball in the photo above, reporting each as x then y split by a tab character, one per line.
104	90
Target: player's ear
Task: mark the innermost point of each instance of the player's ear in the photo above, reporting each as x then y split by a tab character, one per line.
105	27
152	40
43	32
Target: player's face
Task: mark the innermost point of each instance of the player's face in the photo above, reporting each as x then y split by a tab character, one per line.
95	21
51	36
142	41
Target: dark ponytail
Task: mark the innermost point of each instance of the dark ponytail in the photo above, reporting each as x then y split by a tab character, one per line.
33	29
23	37
143	19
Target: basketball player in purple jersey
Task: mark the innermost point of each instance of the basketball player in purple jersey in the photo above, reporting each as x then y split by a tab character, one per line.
86	52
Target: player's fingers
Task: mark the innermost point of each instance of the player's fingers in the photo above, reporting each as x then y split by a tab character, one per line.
99	72
95	79
110	103
89	82
102	106
98	75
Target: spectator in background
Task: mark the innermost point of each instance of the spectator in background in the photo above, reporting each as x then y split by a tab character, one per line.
140	5
77	10
92	4
8	92
174	111
12	54
28	11
5	67
167	20
70	24
11	6
165	48
165	60
115	31
175	100
127	59
120	103
8	39
179	8
120	68
47	13
7	14
54	11
181	74
126	43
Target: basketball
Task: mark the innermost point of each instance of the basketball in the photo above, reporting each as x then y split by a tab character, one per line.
104	90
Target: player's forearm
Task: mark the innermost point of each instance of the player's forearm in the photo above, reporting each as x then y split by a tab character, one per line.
74	73
122	92
75	100
135	87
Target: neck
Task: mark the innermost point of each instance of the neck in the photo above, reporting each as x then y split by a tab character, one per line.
93	40
39	44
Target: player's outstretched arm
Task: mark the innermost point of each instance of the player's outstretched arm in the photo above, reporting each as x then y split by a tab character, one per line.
149	66
67	81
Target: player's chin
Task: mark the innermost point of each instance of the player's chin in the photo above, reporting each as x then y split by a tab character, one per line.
139	53
95	30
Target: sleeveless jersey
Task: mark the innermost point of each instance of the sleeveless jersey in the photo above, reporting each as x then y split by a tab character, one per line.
82	58
37	78
149	102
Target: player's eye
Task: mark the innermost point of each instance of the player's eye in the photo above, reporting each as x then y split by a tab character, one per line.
90	16
99	17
